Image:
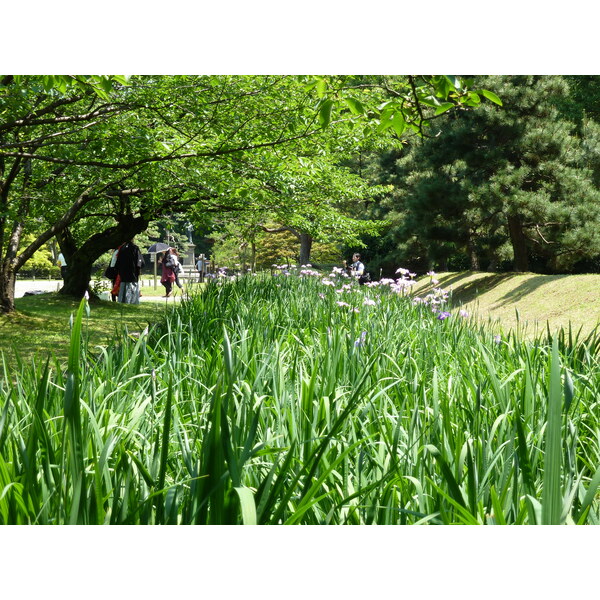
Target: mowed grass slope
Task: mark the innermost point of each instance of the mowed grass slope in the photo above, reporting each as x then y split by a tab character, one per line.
539	299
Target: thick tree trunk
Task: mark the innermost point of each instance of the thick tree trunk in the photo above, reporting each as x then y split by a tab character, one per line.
306	241
10	268
519	243
7	290
82	260
66	243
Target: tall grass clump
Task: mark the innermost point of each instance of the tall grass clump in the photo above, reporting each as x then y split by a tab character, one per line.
290	400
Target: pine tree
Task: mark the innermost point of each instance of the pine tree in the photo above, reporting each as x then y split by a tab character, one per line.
501	183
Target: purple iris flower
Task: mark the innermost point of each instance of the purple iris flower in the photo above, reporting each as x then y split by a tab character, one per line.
361	340
443	315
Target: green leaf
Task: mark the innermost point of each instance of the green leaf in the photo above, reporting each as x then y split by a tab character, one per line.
453	487
497	506
454	81
398	123
590	494
247	505
105	83
442	86
491	96
321	87
310	86
164	452
551	493
569	390
443	108
385	105
473	99
325	113
355	106
122	79
386	117
429	100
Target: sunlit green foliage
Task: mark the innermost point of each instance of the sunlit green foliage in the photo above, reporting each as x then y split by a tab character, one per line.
280	400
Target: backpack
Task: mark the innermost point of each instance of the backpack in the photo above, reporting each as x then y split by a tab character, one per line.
364	278
111	272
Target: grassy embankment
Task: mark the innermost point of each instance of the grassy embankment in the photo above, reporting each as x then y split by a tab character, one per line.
539	299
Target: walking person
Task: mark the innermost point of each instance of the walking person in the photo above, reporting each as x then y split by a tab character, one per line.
200	265
176	266
112	274
356	268
62	263
168	275
129	265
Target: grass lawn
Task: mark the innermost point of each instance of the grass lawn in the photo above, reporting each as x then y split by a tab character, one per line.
148	288
556	299
41	324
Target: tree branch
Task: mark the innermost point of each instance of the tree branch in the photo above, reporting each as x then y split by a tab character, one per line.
39	113
58	225
282	229
66	119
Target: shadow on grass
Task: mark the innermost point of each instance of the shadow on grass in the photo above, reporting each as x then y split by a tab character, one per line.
470	290
525	288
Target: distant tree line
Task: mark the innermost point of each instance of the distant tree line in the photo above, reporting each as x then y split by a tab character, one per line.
505	188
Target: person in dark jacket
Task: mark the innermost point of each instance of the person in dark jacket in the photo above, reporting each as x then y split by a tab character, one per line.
129	265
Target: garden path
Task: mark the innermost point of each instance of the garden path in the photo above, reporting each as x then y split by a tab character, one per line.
53	285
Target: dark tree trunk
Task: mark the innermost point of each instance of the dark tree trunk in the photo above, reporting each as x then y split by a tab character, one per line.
519	243
8	273
473	258
66	243
305	248
7	290
80	266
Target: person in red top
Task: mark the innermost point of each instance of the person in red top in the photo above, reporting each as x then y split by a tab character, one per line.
112	273
168	273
